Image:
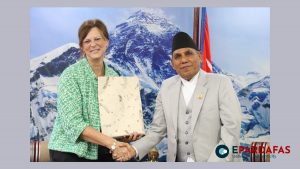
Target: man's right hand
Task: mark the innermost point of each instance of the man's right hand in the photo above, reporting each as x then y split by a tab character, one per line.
123	152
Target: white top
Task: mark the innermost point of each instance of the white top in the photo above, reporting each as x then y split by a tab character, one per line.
188	87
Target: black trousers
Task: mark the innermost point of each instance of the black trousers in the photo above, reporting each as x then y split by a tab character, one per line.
59	156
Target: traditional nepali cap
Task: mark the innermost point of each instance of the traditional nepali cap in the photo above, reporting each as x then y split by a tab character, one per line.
183	40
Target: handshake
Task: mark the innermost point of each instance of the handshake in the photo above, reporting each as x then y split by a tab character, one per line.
122	150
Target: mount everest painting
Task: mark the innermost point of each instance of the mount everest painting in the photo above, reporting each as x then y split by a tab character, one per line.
141	46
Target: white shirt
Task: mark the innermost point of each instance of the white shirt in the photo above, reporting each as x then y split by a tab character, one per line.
188	87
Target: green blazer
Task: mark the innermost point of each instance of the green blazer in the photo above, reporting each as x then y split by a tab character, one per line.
77	108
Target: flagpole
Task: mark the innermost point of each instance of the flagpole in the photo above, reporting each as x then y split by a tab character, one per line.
196	25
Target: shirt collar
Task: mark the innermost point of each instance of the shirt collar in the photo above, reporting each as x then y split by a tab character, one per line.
193	81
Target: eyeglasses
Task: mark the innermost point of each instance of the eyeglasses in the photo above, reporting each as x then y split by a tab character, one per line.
88	42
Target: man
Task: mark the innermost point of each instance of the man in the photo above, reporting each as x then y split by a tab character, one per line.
196	111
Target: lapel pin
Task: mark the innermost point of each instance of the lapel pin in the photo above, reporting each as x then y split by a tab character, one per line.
200	97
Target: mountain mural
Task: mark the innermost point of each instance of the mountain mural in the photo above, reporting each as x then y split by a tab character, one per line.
141	46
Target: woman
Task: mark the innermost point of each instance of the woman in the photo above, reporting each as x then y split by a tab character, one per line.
77	133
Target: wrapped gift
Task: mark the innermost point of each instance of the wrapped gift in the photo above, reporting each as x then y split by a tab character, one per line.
120	106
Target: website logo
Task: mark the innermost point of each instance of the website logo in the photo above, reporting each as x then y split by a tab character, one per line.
222	151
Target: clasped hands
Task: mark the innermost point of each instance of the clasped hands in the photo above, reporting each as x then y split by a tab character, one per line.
123	150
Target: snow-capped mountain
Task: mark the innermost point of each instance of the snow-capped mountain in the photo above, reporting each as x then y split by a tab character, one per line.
44	74
144	42
140	46
255	104
239	82
255	101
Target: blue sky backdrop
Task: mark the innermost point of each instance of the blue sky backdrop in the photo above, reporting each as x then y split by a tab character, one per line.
240	37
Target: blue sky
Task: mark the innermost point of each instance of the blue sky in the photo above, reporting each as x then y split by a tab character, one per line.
240	37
